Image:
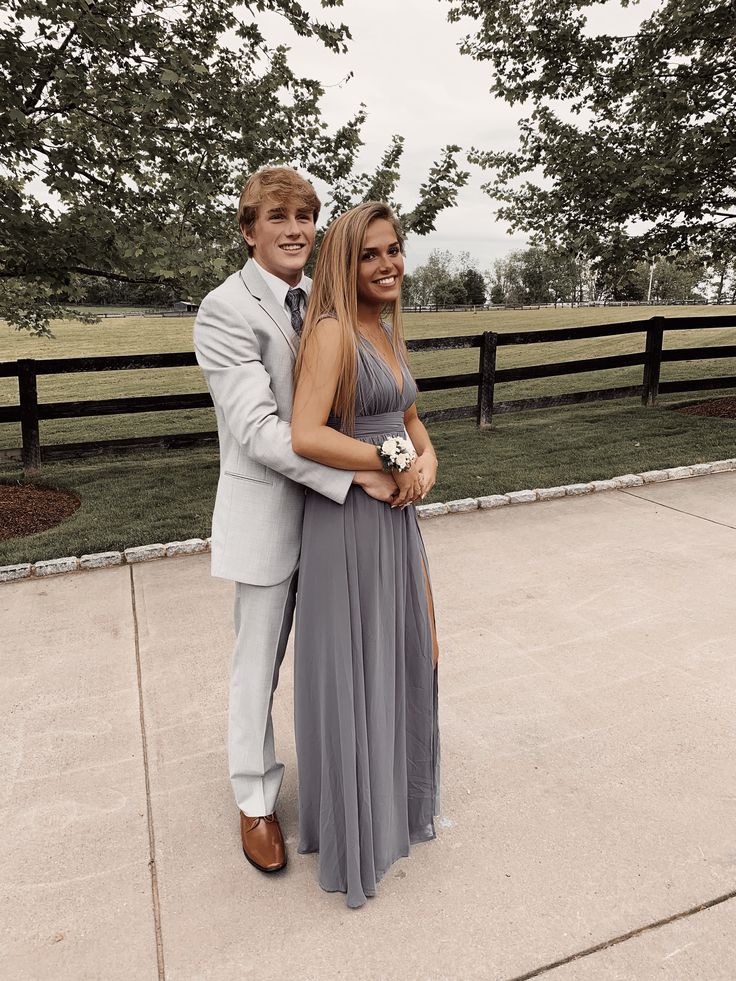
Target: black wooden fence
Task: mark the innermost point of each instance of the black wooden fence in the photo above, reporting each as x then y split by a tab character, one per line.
29	412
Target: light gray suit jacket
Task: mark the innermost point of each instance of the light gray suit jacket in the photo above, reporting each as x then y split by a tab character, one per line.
246	347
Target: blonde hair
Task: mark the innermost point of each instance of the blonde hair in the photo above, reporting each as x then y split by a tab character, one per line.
280	183
335	291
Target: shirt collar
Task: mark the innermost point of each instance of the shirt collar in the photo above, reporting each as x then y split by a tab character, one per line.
277	286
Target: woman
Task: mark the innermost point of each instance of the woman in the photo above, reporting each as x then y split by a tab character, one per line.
366	651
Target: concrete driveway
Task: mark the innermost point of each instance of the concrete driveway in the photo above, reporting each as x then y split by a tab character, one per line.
588	721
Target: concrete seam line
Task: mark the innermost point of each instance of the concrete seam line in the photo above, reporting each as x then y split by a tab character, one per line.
149	808
147	553
614	941
671	507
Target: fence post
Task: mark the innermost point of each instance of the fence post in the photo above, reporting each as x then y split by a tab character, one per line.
653	363
28	392
487	372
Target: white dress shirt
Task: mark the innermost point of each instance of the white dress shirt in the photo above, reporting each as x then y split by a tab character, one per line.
279	288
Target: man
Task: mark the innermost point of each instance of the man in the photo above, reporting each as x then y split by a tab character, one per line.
246	338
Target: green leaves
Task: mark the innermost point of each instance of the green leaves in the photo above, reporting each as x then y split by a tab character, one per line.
630	132
140	120
127	130
445	279
436	193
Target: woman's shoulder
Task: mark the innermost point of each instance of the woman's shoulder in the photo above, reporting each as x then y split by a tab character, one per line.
328	324
325	333
327	315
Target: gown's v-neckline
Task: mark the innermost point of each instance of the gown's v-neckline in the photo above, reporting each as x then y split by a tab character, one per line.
387	366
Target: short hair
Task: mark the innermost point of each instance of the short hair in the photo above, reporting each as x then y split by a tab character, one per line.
281	183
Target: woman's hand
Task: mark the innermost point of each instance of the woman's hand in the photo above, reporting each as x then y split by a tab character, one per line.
426	465
409	484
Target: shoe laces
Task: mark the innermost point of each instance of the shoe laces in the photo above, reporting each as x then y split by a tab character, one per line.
268	818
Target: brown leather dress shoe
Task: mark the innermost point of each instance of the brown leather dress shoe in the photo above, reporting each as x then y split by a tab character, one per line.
263	843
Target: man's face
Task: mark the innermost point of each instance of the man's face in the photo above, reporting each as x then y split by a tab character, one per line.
282	238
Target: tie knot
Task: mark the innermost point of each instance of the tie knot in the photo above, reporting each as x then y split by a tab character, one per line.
294	303
294	298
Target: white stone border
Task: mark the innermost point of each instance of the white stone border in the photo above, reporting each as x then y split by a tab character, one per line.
103	560
145	553
572	490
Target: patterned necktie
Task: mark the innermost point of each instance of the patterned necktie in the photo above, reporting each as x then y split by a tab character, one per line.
294	303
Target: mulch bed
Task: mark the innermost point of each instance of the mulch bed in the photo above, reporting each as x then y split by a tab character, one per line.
725	408
26	509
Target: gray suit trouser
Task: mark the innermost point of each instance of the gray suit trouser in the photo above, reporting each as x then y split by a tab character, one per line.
263	618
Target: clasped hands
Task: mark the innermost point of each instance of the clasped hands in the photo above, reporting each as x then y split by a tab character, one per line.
401	488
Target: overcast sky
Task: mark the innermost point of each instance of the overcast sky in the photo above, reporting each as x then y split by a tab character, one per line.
409	73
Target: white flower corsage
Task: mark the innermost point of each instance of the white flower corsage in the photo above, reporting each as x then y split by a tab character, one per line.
396	454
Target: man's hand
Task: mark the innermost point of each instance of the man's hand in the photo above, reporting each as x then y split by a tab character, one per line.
377	484
426	464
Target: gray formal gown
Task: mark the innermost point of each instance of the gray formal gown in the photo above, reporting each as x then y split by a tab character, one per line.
365	685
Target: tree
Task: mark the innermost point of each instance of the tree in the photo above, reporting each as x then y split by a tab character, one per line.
438	192
474	285
673	278
497	282
407	288
107	292
542	273
430	278
530	275
622	280
139	120
665	279
621	129
497	295
719	257
445	280
450	293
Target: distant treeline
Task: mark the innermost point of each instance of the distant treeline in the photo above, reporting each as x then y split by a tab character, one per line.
550	274
94	291
535	275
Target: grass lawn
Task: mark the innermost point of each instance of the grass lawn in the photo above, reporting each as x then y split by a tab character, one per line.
162	496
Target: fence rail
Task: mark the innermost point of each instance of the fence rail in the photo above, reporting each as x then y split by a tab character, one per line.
29	412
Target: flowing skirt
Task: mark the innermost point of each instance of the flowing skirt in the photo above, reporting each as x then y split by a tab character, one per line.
365	691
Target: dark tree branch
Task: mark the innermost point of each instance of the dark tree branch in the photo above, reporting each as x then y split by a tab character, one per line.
40	86
84	271
117	277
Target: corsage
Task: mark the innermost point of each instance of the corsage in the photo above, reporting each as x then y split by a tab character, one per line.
396	454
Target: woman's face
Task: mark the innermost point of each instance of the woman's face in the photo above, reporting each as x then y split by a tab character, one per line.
381	264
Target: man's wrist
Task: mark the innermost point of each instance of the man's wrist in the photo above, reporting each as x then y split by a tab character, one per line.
368	478
362	477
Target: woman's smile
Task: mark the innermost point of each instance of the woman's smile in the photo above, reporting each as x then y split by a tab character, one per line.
381	266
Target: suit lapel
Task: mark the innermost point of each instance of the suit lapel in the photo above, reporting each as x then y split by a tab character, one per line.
256	286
